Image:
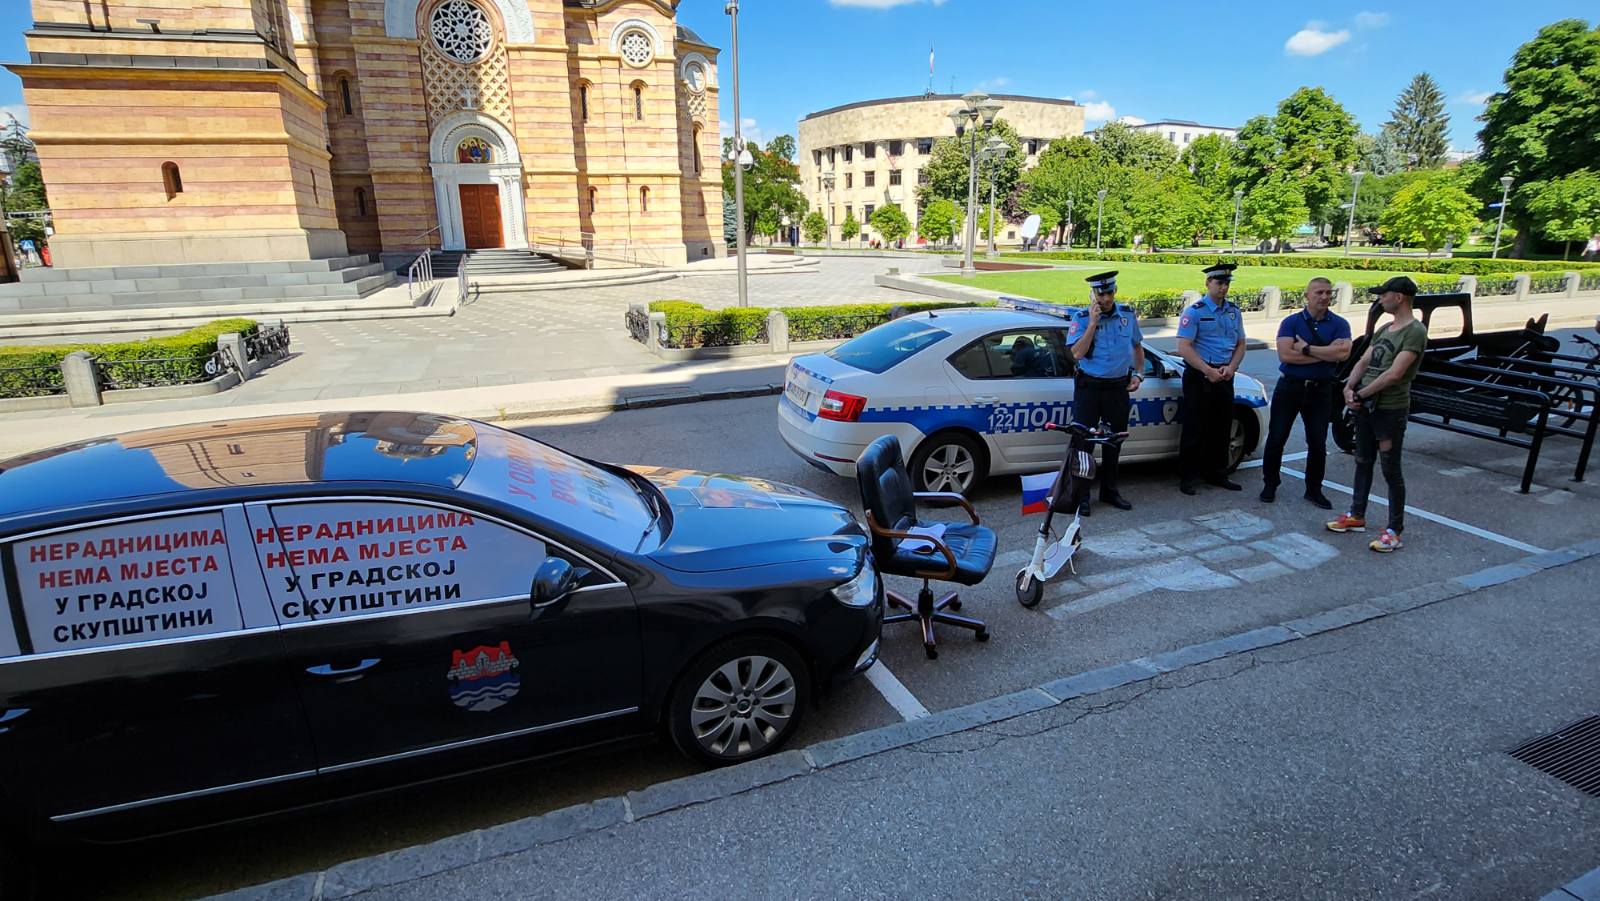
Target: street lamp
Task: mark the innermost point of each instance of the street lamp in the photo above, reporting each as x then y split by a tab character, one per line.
1355	191
827	186
1505	194
995	151
740	154
1068	231
1101	214
1238	195
978	107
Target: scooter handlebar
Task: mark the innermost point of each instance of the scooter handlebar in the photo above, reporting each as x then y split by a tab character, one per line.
1095	436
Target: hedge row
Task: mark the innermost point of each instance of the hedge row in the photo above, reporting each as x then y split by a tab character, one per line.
1304	261
194	346
691	325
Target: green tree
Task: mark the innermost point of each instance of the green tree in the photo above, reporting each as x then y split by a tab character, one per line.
730	220
1209	160
815	227
1067	184
1544	124
1048	219
1379	154
1429	211
1567	209
1310	141
771	186
890	222
1075	147
1274	209
947	169
1144	150
1420	124
849	228
24	192
1168	209
939	221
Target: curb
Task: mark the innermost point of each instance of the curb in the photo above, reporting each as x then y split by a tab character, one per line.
421	861
658	396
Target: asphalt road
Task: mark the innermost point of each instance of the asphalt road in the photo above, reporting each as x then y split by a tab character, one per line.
1232	564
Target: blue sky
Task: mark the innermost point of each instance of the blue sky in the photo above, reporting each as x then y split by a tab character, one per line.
1217	64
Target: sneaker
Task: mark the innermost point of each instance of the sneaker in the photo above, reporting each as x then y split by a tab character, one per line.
1348	523
1387	543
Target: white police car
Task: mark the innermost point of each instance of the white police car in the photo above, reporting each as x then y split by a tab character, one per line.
968	393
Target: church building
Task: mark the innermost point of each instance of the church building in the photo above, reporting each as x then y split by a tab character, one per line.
199	131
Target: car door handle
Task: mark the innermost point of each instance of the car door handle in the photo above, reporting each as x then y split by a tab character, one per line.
986	398
11	716
330	669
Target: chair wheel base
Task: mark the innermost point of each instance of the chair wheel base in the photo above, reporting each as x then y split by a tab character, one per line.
954	605
933	652
982	636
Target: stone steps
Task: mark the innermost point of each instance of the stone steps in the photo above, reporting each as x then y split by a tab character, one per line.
190	285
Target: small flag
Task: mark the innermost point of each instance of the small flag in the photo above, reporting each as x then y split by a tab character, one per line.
1036	492
930	60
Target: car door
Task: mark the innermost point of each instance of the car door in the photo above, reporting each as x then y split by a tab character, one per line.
134	678
1153	426
411	630
1023	378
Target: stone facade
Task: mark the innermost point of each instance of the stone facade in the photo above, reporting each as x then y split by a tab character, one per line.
856	142
229	130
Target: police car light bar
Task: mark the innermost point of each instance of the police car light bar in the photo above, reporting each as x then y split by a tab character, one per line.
1037	306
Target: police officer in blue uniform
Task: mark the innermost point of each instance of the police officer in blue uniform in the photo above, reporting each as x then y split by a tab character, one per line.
1211	342
1109	348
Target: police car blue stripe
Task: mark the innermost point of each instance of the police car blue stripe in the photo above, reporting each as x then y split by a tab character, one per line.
796	408
1003	419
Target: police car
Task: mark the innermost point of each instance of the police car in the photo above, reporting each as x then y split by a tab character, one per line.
968	393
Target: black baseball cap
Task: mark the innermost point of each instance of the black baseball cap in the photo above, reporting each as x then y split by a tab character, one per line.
1399	284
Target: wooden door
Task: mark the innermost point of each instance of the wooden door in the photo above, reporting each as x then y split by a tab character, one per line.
480	216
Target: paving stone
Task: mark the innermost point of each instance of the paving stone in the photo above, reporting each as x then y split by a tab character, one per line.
945	722
371	873
1103	679
1552	559
1496	575
715	784
1228	554
558	825
1272	569
1585	887
1241	643
1337	618
1418	596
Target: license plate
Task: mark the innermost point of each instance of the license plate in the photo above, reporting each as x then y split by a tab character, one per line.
797	395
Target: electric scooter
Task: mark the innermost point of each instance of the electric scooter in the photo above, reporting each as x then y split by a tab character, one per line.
1073	482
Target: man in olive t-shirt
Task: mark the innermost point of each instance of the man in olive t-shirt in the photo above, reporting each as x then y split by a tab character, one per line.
1379	391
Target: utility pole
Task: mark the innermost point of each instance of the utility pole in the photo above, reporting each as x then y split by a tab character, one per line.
739	154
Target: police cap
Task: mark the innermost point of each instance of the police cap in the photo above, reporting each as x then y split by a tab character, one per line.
1220	271
1105	282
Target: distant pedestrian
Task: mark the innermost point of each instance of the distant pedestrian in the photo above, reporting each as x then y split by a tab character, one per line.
1591	251
1211	342
1311	344
1379	391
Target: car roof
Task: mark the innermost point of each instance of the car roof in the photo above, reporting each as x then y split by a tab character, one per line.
423	449
970	319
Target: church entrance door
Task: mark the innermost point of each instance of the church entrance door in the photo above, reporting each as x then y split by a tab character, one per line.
480	216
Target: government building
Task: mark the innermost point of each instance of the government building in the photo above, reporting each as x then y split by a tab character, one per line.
876	149
200	131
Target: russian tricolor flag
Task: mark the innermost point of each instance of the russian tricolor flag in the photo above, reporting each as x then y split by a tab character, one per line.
1036	491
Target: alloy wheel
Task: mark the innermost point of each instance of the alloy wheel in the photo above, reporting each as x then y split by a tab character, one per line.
949	468
743	706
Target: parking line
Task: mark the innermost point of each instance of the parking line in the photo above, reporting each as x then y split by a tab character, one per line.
1287	458
895	692
1434	517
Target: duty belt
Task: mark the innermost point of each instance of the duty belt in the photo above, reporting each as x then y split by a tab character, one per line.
1115	380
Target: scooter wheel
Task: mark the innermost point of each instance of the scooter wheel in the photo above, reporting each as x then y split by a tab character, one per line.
1031	596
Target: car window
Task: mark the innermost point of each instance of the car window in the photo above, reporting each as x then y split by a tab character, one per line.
334	559
1152	366
139	580
1020	354
972	361
596	503
879	349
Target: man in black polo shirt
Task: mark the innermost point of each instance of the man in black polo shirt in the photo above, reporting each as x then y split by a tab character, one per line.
1311	345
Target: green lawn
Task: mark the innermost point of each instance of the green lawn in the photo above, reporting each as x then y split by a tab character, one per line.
1138	279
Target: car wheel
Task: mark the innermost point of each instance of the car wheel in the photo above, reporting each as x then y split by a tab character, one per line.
738	701
949	461
1238	438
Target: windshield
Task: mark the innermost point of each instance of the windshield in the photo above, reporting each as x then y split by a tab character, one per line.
560	487
888	344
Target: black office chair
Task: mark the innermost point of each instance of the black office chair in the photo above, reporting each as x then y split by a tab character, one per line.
963	554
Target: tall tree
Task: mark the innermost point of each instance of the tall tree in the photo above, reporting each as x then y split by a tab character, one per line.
1379	154
849	228
939	221
1567	209
1429	212
1136	149
947	169
1546	123
771	186
1067	184
1168	209
1274	209
1310	141
890	221
1420	124
1209	159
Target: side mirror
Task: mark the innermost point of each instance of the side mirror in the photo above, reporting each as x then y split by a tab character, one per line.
553	582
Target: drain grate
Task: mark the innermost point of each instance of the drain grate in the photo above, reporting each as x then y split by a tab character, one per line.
1571	754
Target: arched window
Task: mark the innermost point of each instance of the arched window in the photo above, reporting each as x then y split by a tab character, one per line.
698	167
346	98
172	179
594	199
583	102
644	200
361	201
638	101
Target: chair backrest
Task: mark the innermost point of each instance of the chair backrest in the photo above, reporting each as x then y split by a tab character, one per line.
886	491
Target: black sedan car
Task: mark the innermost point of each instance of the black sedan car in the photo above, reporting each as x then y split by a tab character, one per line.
213	620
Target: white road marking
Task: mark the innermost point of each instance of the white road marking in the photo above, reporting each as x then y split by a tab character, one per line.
895	692
1287	458
1434	517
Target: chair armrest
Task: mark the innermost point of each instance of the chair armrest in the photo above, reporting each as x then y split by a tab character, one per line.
940	546
948	499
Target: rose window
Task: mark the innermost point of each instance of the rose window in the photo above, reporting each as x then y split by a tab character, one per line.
461	31
636	49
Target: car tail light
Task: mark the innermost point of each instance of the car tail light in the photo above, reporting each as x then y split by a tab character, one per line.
842	407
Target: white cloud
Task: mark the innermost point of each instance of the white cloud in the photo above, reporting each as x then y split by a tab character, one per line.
1366	19
15	109
1474	97
1088	94
1099	111
881	4
1131	120
1314	40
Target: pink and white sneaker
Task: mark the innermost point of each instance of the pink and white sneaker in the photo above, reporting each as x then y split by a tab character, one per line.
1387	543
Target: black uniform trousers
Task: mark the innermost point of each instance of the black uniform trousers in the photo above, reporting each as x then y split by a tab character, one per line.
1095	400
1298	398
1207	412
